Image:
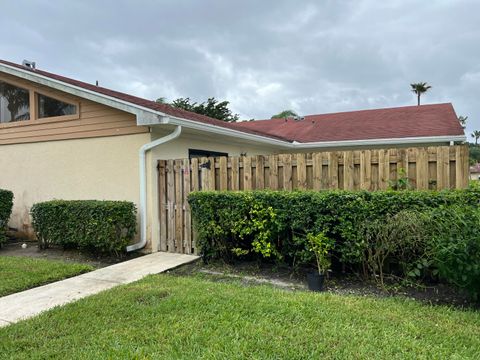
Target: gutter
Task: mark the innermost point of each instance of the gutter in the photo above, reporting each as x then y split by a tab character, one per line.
143	185
387	141
220	130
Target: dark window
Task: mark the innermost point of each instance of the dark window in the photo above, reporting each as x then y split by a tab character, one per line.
195	153
50	107
14	103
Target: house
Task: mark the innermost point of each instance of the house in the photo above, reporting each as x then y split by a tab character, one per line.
475	172
63	138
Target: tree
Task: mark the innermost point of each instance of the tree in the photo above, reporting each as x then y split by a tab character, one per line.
419	89
17	100
212	108
474	154
285	114
162	100
476	135
463	121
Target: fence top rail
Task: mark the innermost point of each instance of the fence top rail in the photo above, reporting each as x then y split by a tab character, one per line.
394	153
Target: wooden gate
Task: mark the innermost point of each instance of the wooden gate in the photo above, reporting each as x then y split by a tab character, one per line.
439	167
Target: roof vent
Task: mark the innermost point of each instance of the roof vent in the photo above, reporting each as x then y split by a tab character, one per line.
29	64
295	118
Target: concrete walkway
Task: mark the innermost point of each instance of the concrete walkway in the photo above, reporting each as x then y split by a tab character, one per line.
31	302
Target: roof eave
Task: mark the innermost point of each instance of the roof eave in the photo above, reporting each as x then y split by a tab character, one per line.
144	116
378	142
224	131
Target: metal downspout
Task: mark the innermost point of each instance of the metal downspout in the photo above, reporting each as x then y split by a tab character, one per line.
143	185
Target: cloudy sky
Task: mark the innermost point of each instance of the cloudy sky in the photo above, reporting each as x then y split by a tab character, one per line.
262	56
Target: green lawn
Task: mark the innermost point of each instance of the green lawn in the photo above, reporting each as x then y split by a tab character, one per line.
169	317
21	273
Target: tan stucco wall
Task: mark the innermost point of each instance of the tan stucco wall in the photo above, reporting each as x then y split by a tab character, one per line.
96	168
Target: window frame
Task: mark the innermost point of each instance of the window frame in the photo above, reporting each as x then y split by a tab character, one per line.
59	98
33	99
200	153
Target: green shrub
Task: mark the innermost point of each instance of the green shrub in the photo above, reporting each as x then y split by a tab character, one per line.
6	204
321	245
455	246
226	220
401	239
104	226
408	234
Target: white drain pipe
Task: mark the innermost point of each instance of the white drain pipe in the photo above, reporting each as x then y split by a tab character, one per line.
143	185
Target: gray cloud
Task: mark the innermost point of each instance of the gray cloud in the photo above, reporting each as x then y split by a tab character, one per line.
262	56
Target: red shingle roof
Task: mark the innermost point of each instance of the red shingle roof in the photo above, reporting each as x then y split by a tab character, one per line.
401	122
475	168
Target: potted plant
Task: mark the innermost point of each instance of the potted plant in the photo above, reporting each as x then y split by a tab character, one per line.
320	244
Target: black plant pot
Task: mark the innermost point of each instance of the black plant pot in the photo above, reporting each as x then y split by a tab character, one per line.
315	281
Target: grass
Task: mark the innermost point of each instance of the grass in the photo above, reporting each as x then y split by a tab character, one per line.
171	317
22	273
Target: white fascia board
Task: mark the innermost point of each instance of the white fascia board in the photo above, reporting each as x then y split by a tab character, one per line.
225	131
379	142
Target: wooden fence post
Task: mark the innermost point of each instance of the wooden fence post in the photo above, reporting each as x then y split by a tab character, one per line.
333	170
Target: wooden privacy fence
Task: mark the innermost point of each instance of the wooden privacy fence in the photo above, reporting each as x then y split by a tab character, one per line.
438	167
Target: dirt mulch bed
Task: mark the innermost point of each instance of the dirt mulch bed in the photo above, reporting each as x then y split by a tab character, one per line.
344	284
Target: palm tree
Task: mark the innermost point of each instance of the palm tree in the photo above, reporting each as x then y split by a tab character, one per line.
476	135
463	121
419	89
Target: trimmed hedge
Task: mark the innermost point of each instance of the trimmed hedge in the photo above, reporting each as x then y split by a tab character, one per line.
103	226
6	204
274	225
223	219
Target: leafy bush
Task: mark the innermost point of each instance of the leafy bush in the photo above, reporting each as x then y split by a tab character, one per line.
455	246
104	226
372	231
6	204
321	245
